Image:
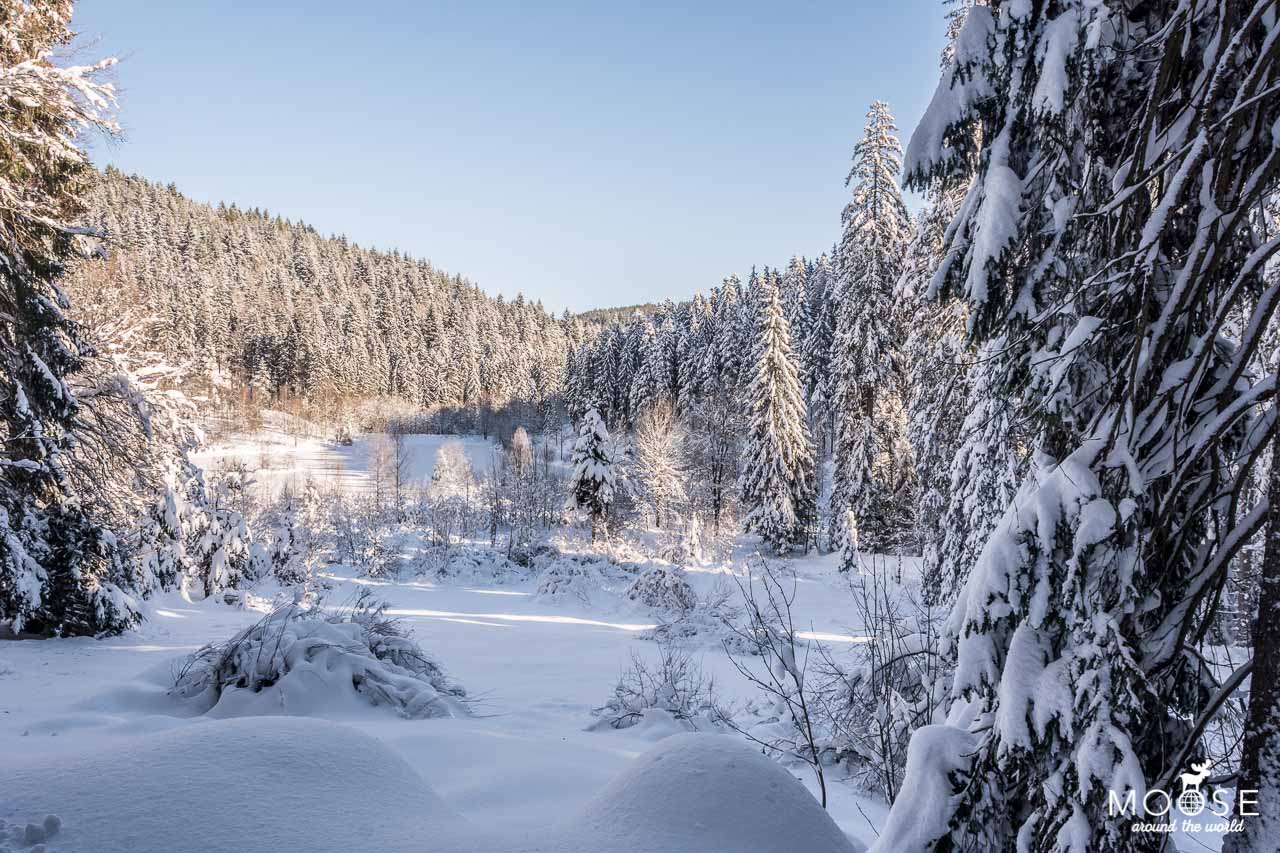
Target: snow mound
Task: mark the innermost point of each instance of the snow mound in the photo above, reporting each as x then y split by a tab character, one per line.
707	793
301	662
277	784
262	785
32	837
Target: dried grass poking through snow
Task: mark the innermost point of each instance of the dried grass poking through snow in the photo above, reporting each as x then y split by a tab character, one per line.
295	652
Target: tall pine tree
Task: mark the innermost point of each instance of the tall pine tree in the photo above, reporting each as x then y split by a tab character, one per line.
777	480
1107	233
876	226
60	569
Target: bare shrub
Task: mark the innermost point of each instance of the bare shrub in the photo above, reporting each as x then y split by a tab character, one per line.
770	633
893	683
675	686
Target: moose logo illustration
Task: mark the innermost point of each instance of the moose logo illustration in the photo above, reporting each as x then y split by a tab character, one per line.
1191	801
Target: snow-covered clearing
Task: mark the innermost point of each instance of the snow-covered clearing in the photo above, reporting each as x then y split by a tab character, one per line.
89	732
81	709
277	458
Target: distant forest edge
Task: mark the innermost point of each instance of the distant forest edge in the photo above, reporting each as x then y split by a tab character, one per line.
259	306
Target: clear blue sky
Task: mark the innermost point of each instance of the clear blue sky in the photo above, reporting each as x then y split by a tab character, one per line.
588	154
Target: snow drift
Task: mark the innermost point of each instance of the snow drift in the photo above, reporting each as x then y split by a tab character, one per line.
269	784
275	784
707	793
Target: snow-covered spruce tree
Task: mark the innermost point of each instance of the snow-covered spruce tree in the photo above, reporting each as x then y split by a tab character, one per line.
61	570
777	481
1106	234
665	353
817	377
577	380
289	547
876	227
795	305
591	488
695	339
169	525
646	382
950	470
221	548
980	481
729	360
937	359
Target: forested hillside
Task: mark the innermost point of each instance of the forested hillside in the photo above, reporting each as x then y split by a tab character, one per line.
250	297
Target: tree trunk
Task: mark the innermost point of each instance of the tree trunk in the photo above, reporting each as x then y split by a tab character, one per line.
1260	762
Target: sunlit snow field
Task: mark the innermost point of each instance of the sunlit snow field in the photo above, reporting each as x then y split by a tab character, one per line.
88	730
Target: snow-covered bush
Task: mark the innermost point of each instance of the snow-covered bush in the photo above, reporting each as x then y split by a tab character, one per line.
708	623
474	563
569	576
296	658
357	533
195	535
222	549
289	542
674	687
665	588
167	528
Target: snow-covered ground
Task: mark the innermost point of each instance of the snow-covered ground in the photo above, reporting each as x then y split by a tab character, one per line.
523	761
89	733
277	458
